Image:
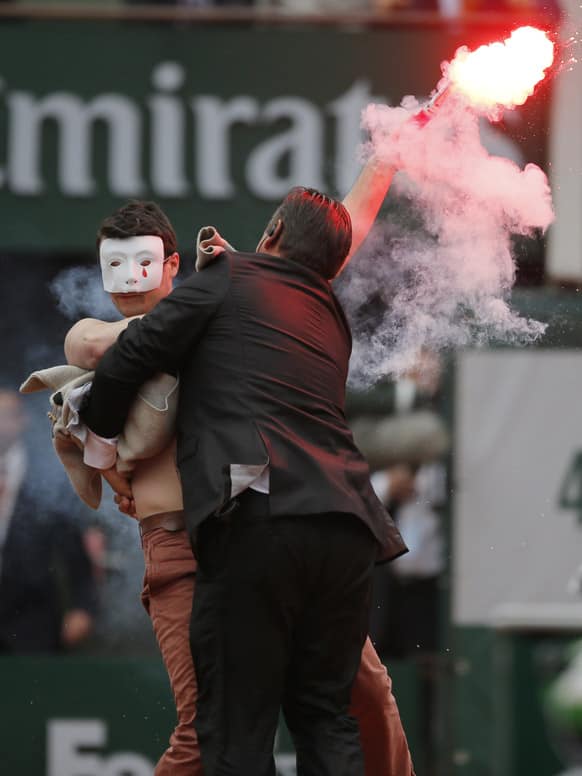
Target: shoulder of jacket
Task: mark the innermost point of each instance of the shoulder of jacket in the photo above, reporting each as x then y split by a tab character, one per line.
212	274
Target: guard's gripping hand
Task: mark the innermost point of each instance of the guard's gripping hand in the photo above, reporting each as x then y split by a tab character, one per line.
209	245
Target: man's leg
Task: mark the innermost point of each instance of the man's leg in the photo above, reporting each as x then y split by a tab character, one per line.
240	631
338	553
170	577
382	736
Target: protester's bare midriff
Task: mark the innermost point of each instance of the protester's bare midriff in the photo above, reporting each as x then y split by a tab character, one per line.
156	484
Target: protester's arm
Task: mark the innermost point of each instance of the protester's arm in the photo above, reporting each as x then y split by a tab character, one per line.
365	200
88	339
158	342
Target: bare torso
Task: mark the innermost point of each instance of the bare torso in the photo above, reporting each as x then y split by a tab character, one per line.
156	484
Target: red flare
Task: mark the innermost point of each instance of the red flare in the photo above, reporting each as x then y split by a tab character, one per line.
502	74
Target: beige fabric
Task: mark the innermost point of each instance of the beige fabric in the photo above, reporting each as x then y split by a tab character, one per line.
209	245
54	378
85	480
151	422
149	428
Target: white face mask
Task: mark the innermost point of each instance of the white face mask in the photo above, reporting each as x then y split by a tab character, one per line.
132	265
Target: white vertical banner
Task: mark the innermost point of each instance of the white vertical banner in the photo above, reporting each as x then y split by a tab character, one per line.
517	527
564	259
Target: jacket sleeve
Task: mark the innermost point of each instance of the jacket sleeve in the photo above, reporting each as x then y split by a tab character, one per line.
158	342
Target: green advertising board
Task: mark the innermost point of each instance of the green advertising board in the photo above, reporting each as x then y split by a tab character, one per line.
213	121
83	716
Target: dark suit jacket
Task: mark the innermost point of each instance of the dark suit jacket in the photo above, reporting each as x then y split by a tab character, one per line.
262	347
45	571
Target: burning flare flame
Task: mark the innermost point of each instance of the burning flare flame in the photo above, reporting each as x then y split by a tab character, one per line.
502	74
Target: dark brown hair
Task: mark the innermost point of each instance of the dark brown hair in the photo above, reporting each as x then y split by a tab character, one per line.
317	230
138	218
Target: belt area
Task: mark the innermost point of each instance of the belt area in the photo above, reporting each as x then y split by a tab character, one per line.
171	521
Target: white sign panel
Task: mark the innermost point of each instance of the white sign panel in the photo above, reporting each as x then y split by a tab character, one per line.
564	260
517	534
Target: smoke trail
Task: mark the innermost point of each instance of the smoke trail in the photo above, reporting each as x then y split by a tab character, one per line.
440	275
79	293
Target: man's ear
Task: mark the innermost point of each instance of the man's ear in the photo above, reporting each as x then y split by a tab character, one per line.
273	234
173	262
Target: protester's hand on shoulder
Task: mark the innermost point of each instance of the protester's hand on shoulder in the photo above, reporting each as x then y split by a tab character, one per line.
209	245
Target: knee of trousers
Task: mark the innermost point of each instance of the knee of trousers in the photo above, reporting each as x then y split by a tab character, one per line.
184	737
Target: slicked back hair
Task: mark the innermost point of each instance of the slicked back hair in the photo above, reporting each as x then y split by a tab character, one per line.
138	218
317	230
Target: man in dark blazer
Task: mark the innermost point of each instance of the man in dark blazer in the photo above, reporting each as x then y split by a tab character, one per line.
283	519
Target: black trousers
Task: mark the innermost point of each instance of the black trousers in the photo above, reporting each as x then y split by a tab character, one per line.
279	619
